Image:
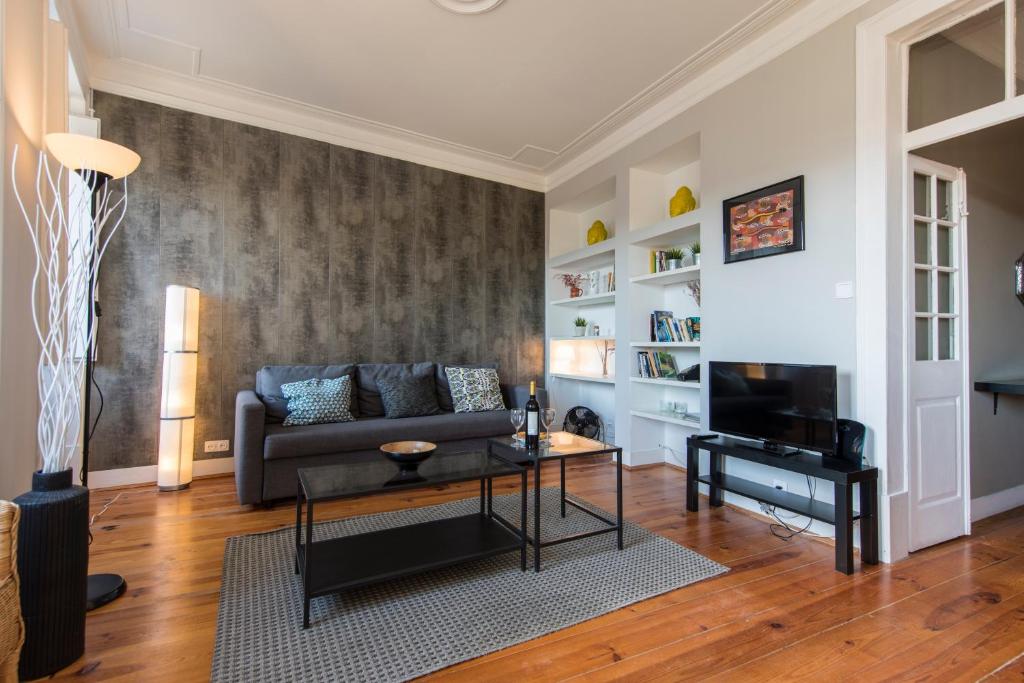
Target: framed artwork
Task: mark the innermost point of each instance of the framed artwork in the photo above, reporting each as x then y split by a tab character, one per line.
765	222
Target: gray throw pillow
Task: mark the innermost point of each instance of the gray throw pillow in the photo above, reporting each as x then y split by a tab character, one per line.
475	389
318	401
409	396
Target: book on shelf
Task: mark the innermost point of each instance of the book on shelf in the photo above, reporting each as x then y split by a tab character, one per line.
665	327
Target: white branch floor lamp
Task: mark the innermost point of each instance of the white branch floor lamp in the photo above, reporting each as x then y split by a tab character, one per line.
63	295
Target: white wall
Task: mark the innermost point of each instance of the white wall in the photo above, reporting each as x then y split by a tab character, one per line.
25	29
794	116
995	239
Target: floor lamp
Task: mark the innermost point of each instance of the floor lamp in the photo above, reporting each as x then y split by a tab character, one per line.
98	163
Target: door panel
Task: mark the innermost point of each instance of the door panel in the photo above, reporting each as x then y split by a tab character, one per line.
935	282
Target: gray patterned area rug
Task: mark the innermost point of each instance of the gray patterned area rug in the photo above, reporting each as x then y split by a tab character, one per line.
409	627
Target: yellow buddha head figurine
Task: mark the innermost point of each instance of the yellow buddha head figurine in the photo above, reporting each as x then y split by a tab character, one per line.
681	202
597	233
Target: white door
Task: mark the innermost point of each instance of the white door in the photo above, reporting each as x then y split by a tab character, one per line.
937	352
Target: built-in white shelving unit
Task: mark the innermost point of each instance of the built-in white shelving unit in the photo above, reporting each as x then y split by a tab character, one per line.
640	414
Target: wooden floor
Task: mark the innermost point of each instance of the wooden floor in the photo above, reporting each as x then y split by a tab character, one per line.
953	612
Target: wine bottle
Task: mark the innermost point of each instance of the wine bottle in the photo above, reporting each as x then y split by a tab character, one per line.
533	419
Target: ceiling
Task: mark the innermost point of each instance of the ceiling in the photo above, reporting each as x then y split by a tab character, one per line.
514	92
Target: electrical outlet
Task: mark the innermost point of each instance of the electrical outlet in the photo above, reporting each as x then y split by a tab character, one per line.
779	484
216	446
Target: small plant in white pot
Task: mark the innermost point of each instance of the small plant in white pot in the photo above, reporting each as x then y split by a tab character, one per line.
695	252
674	258
580	327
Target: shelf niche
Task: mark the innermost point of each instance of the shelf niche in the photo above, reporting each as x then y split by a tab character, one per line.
653	182
570	221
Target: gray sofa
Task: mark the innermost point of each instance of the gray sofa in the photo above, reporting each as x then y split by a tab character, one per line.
268	454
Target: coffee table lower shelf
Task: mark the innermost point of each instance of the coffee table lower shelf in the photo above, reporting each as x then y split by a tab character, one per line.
352	561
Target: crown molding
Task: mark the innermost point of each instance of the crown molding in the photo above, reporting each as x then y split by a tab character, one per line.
706	77
738	52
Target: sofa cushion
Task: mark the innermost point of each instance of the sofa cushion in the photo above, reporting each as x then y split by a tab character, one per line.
408	396
475	389
370	404
369	433
269	379
444	389
318	401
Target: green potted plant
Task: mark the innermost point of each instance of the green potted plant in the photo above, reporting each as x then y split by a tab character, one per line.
695	252
580	329
674	258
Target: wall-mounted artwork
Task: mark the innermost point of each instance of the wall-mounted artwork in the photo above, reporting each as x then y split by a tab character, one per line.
1018	278
765	222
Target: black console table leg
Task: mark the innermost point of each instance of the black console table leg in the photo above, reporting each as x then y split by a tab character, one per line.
522	520
536	514
692	463
869	522
715	493
618	496
562	464
844	527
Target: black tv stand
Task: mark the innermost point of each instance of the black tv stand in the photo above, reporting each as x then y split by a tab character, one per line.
779	449
842	473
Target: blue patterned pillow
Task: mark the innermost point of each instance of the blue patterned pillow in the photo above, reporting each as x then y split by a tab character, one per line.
318	401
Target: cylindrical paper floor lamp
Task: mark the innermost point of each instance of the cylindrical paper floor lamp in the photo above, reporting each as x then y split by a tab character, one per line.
178	394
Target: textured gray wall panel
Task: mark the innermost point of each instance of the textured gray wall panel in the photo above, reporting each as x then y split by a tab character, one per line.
303	252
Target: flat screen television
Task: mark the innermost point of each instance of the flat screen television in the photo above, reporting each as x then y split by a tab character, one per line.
780	404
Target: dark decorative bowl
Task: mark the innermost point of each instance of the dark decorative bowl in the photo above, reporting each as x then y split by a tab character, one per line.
408	454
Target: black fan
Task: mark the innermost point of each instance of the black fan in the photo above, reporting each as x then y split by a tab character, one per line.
582	421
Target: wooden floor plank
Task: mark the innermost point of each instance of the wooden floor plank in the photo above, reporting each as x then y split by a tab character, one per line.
782	612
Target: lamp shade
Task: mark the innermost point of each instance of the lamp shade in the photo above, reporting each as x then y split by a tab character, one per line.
178	391
81	152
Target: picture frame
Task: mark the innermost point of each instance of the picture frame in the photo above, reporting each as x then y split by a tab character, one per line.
765	222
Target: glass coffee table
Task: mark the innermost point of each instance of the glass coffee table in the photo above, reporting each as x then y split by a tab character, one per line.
562	447
335	564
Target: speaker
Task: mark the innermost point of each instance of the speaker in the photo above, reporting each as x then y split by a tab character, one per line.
851	441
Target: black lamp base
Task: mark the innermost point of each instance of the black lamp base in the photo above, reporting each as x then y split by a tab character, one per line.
104	588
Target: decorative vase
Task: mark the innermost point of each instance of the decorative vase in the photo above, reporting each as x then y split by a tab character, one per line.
53	563
696	259
674	263
575	292
579	331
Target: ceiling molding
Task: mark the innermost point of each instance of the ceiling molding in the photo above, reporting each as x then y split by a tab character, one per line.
755	53
739	51
235	103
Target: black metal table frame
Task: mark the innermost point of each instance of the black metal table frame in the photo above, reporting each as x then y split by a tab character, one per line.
486	508
613	526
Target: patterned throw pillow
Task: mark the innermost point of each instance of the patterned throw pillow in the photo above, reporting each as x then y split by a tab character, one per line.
408	396
475	389
318	401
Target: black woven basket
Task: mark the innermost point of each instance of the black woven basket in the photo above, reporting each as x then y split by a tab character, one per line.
53	564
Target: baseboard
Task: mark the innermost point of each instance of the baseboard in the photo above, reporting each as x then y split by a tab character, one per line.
128	476
994	503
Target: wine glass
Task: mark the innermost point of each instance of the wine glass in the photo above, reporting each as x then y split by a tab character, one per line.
518	417
547	416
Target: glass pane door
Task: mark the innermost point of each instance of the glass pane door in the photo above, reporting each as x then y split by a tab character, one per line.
935	255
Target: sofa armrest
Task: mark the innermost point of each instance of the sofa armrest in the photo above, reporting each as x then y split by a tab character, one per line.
519	394
250	423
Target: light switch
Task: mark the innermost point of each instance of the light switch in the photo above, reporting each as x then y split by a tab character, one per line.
844	290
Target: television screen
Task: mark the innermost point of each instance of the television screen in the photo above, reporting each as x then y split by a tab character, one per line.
793	405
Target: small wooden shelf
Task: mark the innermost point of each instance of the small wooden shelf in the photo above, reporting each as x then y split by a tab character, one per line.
668	277
590	300
584	378
589	257
669	231
660	381
602	337
668	418
666	345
